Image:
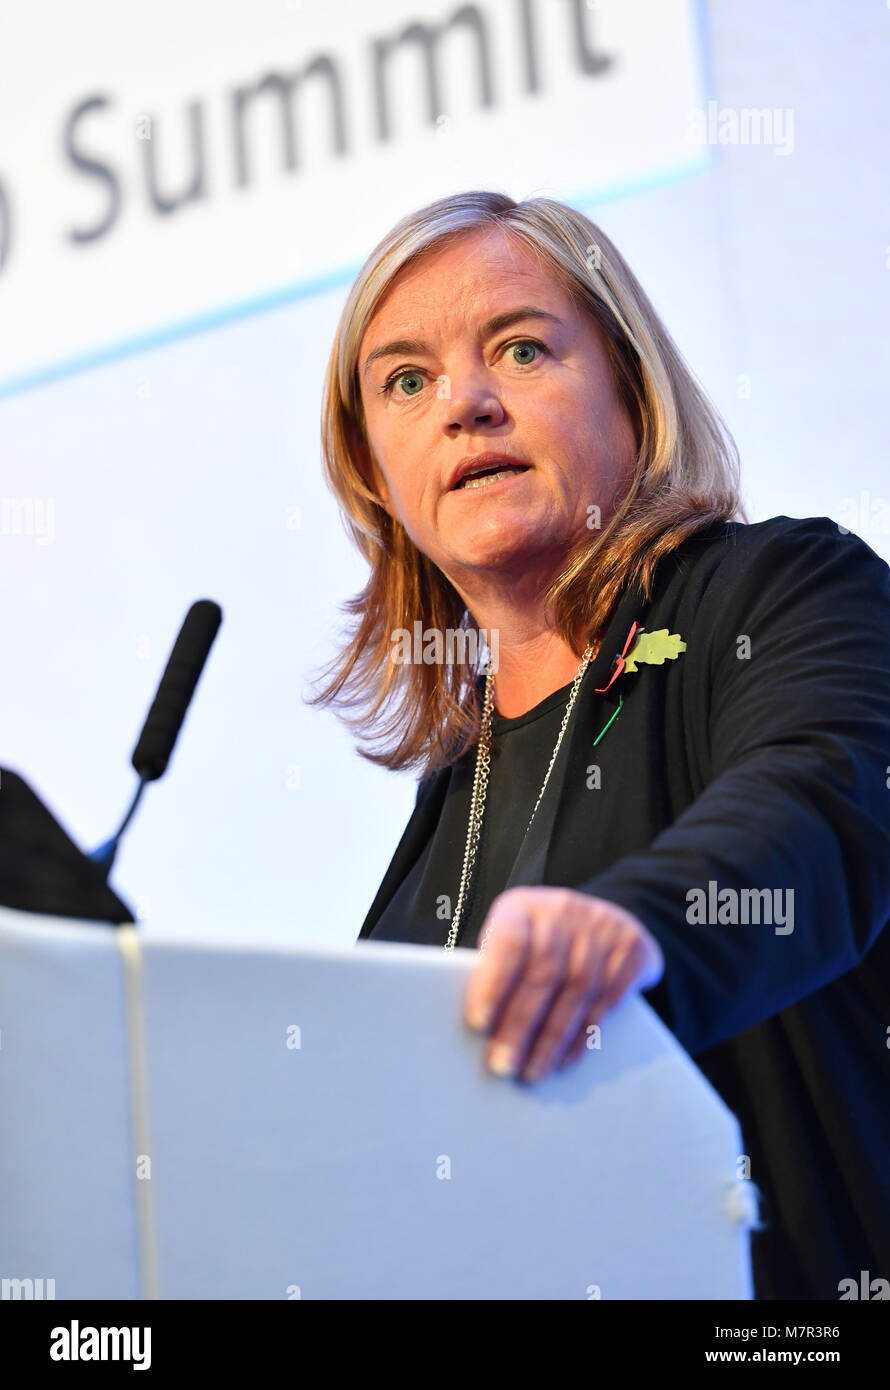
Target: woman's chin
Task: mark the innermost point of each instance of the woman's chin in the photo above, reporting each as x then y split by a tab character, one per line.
507	556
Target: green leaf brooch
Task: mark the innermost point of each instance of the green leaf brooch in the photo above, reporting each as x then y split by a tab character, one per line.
641	648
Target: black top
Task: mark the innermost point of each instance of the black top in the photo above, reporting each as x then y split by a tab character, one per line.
423	905
757	759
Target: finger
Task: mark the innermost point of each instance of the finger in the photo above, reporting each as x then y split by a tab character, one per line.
570	1007
587	1040
633	965
532	998
507	930
629	966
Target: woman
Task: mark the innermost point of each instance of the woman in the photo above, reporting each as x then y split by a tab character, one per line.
665	768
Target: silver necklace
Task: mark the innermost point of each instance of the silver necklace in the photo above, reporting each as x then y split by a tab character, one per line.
480	785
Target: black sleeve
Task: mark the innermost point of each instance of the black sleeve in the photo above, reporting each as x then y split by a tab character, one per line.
797	741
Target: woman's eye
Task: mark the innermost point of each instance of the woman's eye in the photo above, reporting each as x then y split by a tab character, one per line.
412	382
527	345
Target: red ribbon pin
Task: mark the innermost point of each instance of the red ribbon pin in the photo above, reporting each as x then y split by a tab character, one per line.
619	660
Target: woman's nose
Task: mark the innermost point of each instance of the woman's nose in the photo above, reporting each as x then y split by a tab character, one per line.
472	406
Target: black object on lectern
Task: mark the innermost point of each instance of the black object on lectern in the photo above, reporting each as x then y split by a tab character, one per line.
41	868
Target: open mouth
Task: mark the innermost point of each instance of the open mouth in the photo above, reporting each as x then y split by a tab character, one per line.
491	473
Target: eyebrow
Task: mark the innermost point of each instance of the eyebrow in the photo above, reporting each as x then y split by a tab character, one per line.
400	347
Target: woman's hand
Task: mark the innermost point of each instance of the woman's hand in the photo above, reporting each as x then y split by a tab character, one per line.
551	963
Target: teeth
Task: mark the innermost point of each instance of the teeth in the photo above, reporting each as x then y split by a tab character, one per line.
488	478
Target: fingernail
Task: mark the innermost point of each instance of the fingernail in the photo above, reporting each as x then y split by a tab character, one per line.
502	1060
480	1018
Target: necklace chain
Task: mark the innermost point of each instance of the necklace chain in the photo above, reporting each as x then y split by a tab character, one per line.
480	785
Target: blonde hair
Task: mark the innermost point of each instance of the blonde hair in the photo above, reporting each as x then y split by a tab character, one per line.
686	477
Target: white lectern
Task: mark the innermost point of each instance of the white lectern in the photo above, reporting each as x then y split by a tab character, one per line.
186	1121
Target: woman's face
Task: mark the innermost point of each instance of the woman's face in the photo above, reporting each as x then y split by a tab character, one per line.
441	382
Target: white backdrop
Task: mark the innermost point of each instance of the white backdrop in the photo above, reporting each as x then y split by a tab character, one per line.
174	471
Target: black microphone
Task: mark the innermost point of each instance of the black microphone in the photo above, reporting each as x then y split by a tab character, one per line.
168	710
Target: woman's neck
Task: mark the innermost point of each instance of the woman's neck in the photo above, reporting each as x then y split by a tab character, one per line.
530	659
529	670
